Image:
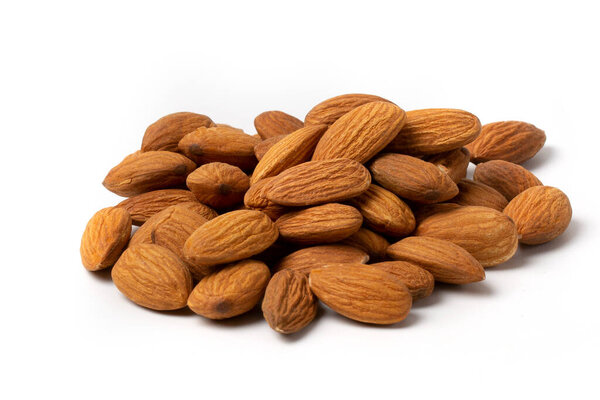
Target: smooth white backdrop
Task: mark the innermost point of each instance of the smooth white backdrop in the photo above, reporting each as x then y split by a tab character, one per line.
79	83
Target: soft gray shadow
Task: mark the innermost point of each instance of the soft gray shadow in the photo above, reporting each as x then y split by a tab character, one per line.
410	320
252	317
103	275
471	289
541	158
430	300
295	337
182	312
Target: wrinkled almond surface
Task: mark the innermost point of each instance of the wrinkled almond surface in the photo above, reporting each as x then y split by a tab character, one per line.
309	258
218	185
145	205
274	123
370	242
166	133
453	162
507	178
330	110
418	280
256	199
471	193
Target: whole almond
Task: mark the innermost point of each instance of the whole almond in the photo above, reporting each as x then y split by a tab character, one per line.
507	178
294	149
309	258
361	133
370	242
153	277
384	212
289	305
330	110
275	123
490	236
418	280
422	211
230	237
166	133
446	261
471	193
318	182
220	144
261	148
541	213
362	293
435	130
512	141
143	172
412	178
453	162
326	223
218	185
104	238
256	199
231	291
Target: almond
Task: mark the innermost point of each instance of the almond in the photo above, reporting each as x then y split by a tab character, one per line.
318	182
152	277
435	130
541	214
294	149
362	293
232	291
275	123
370	242
330	110
422	211
104	238
230	237
512	141
218	184
143	172
473	193
256	199
419	281
490	236
326	223
361	133
166	133
412	179
261	148
453	162
384	212
507	178
289	305
305	260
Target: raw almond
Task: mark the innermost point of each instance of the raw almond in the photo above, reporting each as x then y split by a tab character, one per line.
153	277
370	242
361	133
422	211
166	133
330	110
418	280
261	148
231	291
275	123
256	199
289	305
309	258
318	182
218	184
541	214
471	193
512	141
507	178
412	178
362	293
104	238
453	162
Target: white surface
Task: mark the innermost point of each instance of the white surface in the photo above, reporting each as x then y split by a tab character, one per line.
79	83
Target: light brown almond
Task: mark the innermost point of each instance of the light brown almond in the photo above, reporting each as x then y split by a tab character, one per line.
419	281
453	162
507	178
370	242
275	123
145	205
422	211
166	133
256	199
218	185
473	193
309	258
330	110
261	148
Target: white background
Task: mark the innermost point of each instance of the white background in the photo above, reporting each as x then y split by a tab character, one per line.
80	82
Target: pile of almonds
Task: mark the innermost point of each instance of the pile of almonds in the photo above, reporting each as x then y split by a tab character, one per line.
305	211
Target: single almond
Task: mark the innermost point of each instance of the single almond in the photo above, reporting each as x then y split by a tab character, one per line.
256	199
275	123
166	133
418	280
370	242
330	110
471	193
218	185
309	258
507	178
261	148
453	162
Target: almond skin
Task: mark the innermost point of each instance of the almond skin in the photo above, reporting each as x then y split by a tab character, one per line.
361	133
309	258
370	242
261	148
256	199
142	172
473	193
275	123
152	277
294	149
412	178
435	130
541	213
104	238
330	110
318	182
507	178
512	141
490	236
384	212
446	261
232	291
326	223
218	185
422	211
220	144
289	305
453	162
362	293
166	133
230	237
418	280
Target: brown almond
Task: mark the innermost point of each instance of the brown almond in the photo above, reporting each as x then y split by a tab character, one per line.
370	242
418	280
422	211
231	291
104	238
261	148
289	305
309	258
507	178
166	133
256	199
275	123
361	133
152	277
453	162
512	141
412	178
446	261
471	193
145	205
218	185
330	110
541	213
